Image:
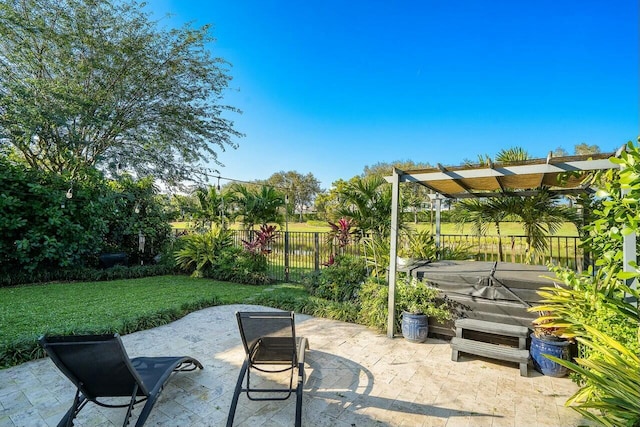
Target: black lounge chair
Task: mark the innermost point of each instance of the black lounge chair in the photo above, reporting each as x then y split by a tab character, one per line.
271	345
99	367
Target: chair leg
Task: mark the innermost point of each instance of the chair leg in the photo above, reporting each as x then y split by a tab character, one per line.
236	393
299	394
78	403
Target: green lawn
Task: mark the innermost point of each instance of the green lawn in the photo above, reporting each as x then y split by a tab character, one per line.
506	228
123	306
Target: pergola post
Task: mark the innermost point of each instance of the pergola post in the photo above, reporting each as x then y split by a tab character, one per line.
438	220
393	254
629	254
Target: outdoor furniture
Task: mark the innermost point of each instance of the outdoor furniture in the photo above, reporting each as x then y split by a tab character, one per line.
99	367
518	354
271	346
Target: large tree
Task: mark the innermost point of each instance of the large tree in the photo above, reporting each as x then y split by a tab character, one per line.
301	189
96	83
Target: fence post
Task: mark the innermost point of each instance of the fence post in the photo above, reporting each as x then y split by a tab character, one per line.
286	256
316	242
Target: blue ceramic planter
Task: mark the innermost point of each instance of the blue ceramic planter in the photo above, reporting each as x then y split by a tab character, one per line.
415	327
540	347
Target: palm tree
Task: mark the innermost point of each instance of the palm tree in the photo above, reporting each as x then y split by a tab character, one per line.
259	206
367	201
542	215
512	155
212	205
481	213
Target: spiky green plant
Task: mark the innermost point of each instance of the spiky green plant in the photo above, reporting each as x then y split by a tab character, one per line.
200	251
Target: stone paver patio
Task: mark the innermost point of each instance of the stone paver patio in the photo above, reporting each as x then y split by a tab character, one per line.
355	377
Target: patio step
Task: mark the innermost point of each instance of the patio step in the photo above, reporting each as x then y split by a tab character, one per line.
493	328
518	354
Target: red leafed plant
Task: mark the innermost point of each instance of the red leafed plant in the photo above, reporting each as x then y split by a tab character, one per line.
261	243
330	261
341	231
341	234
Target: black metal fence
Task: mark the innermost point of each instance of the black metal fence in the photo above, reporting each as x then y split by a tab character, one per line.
295	253
562	250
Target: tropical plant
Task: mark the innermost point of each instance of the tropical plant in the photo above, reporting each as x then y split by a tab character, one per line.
512	155
454	252
367	201
211	209
340	281
412	296
418	244
340	235
417	297
262	240
602	309
376	251
201	252
541	214
257	206
480	213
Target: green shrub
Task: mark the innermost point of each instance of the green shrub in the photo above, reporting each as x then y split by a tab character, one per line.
200	252
419	244
84	274
412	296
454	252
52	222
601	310
313	306
341	280
374	304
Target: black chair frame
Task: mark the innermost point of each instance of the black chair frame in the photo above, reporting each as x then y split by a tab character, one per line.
99	367
265	353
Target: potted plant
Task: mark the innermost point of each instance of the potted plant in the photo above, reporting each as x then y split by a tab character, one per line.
417	301
549	339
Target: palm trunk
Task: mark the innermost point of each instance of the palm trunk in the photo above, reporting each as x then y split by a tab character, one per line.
500	255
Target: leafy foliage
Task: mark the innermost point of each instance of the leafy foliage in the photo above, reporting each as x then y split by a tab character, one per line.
50	222
540	214
300	189
376	255
412	296
601	309
200	252
367	201
98	84
211	209
257	206
419	244
340	281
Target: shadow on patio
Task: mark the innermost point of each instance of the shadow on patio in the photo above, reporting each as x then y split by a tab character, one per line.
355	377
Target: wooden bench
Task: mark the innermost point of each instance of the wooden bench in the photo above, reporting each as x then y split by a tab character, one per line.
519	355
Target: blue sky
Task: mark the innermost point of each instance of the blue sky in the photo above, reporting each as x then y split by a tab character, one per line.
329	87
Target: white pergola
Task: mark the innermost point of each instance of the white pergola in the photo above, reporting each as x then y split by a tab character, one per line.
562	175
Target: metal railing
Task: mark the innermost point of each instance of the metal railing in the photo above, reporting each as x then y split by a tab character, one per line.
296	253
562	250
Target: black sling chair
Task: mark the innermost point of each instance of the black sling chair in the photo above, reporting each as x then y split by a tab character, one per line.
99	367
271	345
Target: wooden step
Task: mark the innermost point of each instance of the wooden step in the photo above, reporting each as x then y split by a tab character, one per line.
493	328
493	351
